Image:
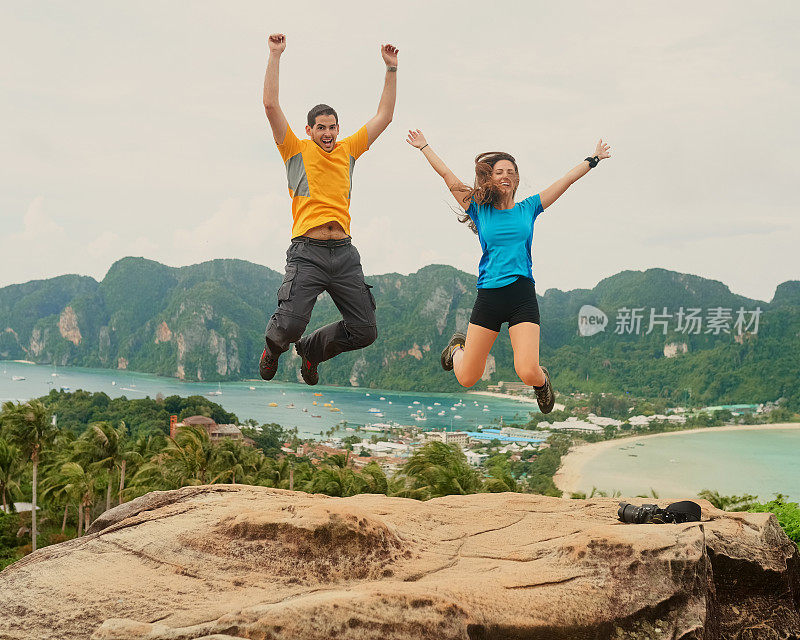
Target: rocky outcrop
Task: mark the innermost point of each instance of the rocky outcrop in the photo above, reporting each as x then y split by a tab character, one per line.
163	332
231	561
68	326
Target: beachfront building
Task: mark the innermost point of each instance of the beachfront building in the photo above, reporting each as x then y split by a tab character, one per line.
600	421
573	425
535	438
461	438
476	459
216	432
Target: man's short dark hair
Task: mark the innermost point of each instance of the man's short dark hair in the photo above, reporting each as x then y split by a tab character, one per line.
321	110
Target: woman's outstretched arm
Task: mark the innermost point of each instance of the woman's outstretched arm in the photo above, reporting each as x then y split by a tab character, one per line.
557	189
459	190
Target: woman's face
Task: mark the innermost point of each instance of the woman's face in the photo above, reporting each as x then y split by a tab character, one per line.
505	176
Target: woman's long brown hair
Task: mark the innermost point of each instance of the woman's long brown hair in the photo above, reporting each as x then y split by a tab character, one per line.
485	191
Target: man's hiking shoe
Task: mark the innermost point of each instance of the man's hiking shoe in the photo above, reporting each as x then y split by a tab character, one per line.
268	366
545	396
458	340
308	369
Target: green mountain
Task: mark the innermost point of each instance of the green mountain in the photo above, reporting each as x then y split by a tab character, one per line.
206	322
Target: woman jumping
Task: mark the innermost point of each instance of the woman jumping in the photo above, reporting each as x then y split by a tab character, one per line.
506	291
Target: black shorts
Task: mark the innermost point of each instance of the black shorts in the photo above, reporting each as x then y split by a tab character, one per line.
514	303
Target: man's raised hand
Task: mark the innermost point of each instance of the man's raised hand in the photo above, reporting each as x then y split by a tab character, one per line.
389	53
277	43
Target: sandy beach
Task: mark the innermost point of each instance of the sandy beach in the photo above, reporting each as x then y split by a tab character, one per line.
568	477
510	396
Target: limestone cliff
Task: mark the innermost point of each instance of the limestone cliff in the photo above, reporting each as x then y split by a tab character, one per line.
231	561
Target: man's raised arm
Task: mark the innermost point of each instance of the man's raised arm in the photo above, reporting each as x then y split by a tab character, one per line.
277	45
377	125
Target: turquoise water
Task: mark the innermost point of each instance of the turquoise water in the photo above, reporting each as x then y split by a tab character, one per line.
762	463
461	411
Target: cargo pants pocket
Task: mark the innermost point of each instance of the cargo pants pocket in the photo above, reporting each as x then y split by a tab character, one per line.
285	290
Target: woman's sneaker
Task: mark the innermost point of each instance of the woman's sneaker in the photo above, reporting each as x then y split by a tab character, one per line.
267	366
308	369
456	342
545	396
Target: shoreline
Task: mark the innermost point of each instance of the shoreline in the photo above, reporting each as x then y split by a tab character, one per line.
568	478
510	396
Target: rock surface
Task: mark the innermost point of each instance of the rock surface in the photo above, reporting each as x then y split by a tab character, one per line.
233	561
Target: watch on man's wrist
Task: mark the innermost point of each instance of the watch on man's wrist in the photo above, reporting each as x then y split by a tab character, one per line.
392	69
592	161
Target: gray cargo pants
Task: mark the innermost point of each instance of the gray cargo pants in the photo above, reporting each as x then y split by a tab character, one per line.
314	266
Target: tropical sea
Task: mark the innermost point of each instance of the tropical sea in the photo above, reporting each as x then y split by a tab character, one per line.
757	461
251	399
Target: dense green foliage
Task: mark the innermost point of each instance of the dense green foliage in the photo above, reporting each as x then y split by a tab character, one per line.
75	410
787	513
207	322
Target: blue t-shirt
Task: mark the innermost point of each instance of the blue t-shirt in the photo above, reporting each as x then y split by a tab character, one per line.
505	236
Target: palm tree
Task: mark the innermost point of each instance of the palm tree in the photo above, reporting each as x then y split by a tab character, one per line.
9	470
28	425
82	484
438	469
107	448
190	458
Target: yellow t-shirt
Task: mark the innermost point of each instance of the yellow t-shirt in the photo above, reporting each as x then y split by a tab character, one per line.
320	183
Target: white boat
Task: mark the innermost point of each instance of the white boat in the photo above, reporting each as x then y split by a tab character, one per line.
429	408
457	417
373	410
441	413
485	409
415	402
252	388
290	405
17	378
437	404
218	392
382	398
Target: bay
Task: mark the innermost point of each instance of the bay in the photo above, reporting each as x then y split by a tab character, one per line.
251	399
759	462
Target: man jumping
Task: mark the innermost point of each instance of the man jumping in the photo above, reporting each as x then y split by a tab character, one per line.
321	256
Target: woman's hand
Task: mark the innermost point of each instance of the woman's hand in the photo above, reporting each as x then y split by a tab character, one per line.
602	150
416	139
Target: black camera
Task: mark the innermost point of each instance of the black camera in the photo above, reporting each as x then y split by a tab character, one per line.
675	513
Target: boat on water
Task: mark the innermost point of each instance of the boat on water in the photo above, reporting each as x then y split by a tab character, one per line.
314	402
485	409
252	388
272	404
304	409
373	410
335	409
290	405
457	417
415	402
327	404
382	398
313	415
319	395
441	413
17	378
218	392
437	404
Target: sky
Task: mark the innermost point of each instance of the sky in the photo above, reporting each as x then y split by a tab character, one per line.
137	129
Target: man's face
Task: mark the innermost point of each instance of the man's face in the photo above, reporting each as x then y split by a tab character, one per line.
324	132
